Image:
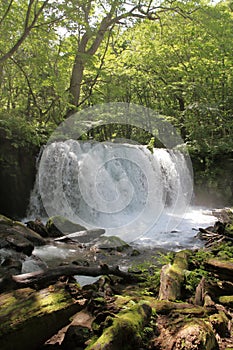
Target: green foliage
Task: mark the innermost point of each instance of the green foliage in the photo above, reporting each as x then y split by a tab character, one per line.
151	276
180	66
193	278
165	258
18	131
224	251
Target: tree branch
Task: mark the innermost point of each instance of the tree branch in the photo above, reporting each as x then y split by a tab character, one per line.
27	30
51	275
6	13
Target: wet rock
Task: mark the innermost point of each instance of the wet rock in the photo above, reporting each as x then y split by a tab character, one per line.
38	227
18	229
33	263
15	241
111	243
58	226
76	337
10	262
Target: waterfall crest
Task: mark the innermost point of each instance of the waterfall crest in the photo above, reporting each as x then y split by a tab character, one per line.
122	188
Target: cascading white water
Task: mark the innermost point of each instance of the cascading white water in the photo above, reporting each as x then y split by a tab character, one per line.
123	188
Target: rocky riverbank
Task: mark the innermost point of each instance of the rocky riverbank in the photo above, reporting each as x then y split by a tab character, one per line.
183	301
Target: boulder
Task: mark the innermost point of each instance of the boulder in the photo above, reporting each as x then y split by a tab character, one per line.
111	243
10	262
5	220
38	227
76	337
15	241
32	236
15	228
58	226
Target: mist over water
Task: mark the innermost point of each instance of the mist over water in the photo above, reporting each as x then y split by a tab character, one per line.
139	196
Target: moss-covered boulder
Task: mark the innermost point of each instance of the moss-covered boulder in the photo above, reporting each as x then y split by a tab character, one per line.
18	229
111	243
58	226
6	221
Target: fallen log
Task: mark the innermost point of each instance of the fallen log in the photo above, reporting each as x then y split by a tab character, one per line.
39	279
124	330
28	317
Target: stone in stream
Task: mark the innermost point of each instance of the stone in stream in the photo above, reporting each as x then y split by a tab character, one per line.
111	243
38	227
17	243
58	226
18	230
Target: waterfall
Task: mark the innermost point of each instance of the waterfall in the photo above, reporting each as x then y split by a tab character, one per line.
123	188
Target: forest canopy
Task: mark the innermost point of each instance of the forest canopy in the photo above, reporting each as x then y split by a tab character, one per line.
174	57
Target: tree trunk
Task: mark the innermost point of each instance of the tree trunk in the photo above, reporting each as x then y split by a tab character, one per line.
76	80
172	277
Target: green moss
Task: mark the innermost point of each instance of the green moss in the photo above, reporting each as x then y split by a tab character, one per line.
125	329
226	300
229	230
63	225
181	259
24	304
6	221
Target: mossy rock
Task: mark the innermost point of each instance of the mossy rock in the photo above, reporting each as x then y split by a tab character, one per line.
58	226
16	242
27	233
19	229
6	221
219	323
111	243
